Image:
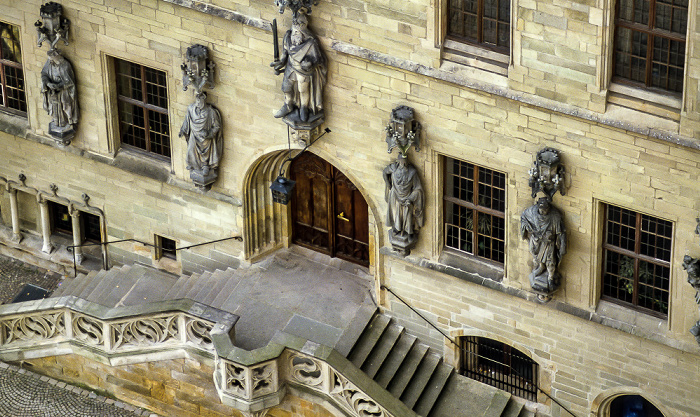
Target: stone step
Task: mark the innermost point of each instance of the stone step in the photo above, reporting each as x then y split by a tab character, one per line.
229	288
198	285
112	294
104	286
434	388
513	409
221	279
395	359
368	340
186	287
527	413
175	289
89	286
78	288
420	379
382	349
408	368
207	287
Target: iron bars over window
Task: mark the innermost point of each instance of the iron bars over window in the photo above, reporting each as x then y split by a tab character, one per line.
637	259
143	107
475	200
499	365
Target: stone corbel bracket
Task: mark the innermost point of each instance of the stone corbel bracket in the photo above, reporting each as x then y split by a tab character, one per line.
547	173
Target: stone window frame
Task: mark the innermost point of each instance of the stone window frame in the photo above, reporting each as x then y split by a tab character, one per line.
472	54
4	64
665	104
607	248
115	100
449	199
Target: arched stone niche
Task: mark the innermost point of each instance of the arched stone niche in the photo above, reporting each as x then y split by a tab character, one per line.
621	401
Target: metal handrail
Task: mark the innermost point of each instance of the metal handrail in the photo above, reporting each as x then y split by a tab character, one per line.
72	247
384	287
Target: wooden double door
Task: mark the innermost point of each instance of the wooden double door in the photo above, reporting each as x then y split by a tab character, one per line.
329	214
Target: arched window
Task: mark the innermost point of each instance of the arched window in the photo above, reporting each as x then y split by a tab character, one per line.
633	406
499	365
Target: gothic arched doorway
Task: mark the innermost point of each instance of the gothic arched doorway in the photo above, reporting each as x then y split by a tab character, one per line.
329	214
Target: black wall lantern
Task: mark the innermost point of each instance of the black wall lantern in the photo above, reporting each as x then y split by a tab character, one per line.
282	190
282	187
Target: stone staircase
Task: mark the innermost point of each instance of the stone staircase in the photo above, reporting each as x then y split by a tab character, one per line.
414	373
400	364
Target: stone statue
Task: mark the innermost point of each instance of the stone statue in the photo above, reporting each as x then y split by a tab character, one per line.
692	266
543	225
305	71
60	98
405	214
202	130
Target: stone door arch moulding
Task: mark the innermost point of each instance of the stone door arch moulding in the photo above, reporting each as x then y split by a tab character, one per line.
601	404
267	225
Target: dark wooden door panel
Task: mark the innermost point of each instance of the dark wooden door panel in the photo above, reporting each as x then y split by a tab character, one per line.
329	213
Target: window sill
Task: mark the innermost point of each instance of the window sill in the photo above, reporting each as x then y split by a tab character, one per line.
474	57
471	264
666	107
630	320
142	164
14	124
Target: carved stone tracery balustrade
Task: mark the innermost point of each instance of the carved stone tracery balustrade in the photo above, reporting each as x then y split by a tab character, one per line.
32	328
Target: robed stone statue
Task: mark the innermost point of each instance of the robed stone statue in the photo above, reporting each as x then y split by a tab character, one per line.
202	130
405	198
305	71
543	225
692	266
59	95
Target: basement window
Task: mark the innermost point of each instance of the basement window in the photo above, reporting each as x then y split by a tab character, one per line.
165	248
499	365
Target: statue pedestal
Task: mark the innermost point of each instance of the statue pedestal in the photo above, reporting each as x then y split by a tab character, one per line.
202	181
541	284
303	132
402	243
62	134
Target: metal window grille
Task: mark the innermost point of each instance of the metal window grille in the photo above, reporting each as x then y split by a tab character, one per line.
483	22
637	260
475	199
499	365
143	107
165	248
12	96
650	42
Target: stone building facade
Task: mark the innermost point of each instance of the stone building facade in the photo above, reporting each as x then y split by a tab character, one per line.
554	79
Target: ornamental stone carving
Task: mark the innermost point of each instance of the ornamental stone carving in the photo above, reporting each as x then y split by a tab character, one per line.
202	127
58	85
199	332
145	331
306	370
403	130
32	328
88	330
692	266
547	174
543	226
351	397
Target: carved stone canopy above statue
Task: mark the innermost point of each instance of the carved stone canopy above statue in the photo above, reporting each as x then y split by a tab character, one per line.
547	175
52	26
198	69
403	130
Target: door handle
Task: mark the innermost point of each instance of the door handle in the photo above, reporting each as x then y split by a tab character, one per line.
342	217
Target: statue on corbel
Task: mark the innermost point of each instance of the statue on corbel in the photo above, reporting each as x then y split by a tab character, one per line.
692	267
202	125
404	191
58	85
304	68
542	224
